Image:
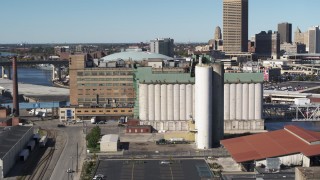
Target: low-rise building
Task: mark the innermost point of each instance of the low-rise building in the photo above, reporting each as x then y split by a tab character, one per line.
109	143
293	145
12	141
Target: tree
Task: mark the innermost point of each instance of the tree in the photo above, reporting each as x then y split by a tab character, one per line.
93	137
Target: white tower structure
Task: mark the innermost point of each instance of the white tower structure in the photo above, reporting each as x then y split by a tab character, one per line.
203	105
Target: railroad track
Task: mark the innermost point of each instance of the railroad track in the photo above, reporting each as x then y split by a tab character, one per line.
42	167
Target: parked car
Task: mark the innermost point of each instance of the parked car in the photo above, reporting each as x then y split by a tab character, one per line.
99	177
79	121
61	125
164	162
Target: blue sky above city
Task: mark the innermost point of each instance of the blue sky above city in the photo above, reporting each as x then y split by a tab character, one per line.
114	21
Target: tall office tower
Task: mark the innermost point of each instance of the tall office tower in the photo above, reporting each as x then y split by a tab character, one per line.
314	40
162	46
217	33
235	26
267	45
285	31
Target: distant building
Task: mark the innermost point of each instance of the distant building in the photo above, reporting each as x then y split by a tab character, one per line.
293	48
217	33
267	45
285	31
235	26
163	46
314	40
300	37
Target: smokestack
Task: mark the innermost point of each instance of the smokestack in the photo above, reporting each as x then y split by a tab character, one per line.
15	87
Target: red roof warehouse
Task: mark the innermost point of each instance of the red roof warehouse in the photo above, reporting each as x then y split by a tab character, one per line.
288	141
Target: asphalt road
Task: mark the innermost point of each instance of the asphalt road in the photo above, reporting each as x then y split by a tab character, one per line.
68	158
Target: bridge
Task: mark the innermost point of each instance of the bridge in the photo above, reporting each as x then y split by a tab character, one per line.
309	112
8	63
5	65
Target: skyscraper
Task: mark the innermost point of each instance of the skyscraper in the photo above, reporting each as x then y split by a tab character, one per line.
285	31
162	46
235	26
267	45
217	33
314	40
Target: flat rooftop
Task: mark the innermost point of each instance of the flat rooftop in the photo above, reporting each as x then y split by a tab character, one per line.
9	136
195	169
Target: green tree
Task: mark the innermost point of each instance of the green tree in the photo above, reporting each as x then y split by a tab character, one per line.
93	137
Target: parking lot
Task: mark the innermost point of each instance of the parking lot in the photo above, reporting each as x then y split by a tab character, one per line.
178	169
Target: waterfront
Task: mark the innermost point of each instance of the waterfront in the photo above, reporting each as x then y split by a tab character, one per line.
35	76
312	126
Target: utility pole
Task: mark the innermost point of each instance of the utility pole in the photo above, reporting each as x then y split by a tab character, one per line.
77	159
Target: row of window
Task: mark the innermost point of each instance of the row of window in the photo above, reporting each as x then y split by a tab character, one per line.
104	79
104	73
104	84
104	111
124	89
106	99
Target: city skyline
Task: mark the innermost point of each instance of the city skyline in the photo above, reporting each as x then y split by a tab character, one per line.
113	21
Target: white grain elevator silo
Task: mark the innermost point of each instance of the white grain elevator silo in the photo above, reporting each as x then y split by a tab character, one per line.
208	104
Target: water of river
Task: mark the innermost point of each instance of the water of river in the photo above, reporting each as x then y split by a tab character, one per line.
30	75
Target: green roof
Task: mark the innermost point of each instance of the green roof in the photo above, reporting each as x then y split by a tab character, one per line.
146	75
243	77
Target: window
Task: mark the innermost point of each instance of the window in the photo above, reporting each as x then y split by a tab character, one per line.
80	73
115	110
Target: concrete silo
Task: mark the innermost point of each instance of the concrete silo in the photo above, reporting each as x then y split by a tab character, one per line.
203	106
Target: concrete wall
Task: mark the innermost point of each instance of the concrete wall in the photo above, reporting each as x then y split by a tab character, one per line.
168	125
295	159
108	146
242	126
306	161
188	136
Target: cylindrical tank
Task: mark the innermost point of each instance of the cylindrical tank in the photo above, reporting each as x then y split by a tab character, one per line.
245	101
143	102
176	102
189	102
163	102
251	101
258	101
182	102
151	102
193	101
170	102
232	101
217	103
226	101
203	106
239	101
157	102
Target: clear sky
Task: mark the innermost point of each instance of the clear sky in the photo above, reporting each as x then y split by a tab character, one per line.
111	21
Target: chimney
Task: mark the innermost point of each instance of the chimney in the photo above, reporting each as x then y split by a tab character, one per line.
15	87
